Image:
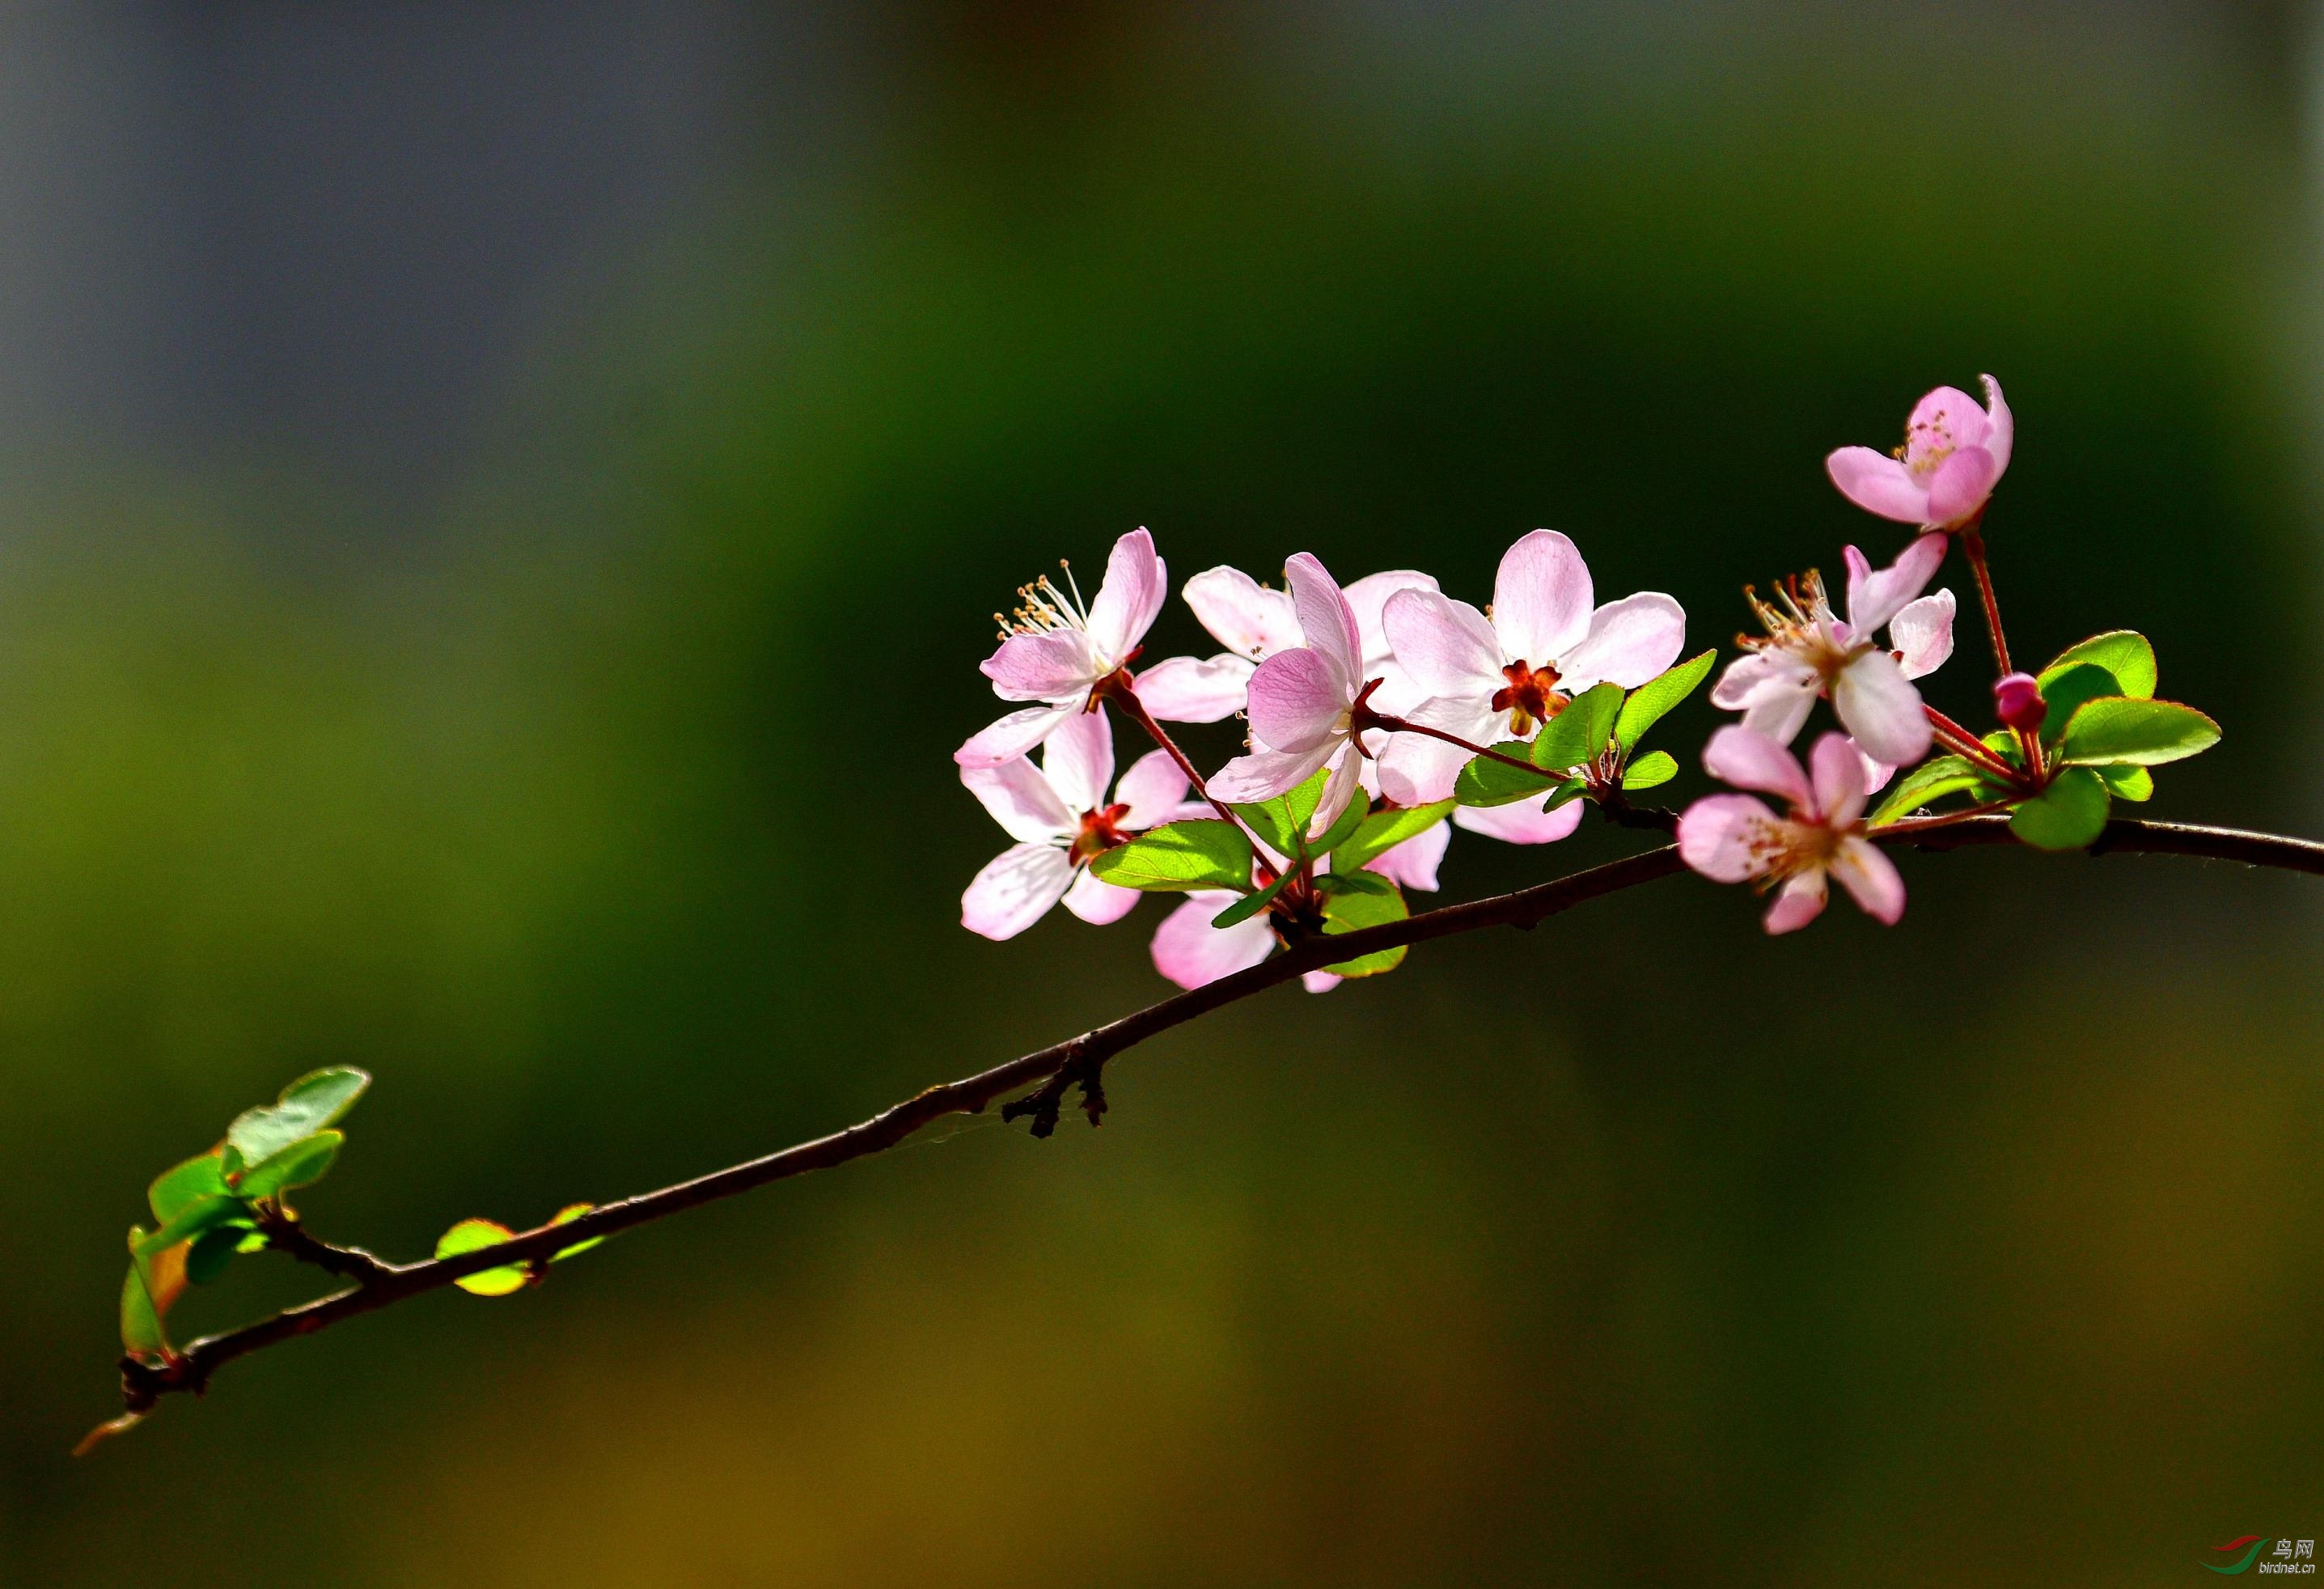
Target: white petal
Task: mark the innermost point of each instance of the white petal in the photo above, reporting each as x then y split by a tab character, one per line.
1189	951
1445	646
1078	759
1153	789
1012	736
1524	822
1368	599
1541	598
1325	622
1015	890
1022	801
1125	605
1099	903
1921	634
1630	641
1264	774
1189	689
1877	704
1243	615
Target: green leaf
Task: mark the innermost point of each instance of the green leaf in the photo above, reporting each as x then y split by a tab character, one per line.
140	1323
1931	781
1581	731
2123	652
201	1214
306	1105
1382	831
1487	782
302	1164
1656	695
471	1235
1281	823
2074	686
1339	833
1572	788
174	1188
1650	770
207	1259
567	1215
2066	816
1251	905
1177	856
1353	882
2118	730
1350	912
2128	783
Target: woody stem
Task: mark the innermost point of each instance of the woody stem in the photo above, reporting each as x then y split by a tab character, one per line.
1368	718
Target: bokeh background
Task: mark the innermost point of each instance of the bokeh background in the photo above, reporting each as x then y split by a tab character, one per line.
498	509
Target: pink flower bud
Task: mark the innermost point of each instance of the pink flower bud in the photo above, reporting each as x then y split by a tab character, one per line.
2017	702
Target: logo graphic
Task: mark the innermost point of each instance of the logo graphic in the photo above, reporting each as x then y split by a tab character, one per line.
2286	1558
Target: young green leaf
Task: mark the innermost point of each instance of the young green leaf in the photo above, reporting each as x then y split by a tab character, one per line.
1657	696
207	1257
469	1236
1281	823
1354	882
1350	913
2128	783
1251	905
2123	652
306	1105
302	1164
1930	782
1581	731
1650	770
1382	831
2074	688
201	1214
1485	782
567	1215
174	1188
1177	856
140	1322
2066	816
2117	730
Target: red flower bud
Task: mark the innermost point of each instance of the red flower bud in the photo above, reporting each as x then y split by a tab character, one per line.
2017	702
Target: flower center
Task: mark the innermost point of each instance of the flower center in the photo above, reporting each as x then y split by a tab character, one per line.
1928	443
1800	624
1100	831
1785	846
1045	608
1530	696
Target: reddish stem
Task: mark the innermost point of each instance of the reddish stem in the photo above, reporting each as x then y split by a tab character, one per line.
1118	687
1368	718
1969	748
1972	540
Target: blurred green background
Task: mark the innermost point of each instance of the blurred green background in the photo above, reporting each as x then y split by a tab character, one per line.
500	523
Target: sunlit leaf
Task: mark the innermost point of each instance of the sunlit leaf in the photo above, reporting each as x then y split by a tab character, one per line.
2127	783
1351	912
1579	732
1485	782
306	1105
2069	691
1650	770
1282	822
1648	702
1197	853
1382	831
302	1164
207	1258
1930	782
567	1215
2123	652
174	1188
2066	816
472	1235
2114	730
1251	905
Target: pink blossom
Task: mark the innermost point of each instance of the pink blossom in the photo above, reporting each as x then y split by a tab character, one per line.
1954	454
1487	680
1254	623
1055	651
1060	819
1808	653
1734	838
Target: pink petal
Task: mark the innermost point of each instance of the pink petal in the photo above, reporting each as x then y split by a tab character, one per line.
1058	666
1945	420
1078	759
1541	598
1878	483
1960	486
1526	822
1875	596
1022	801
1413	864
1015	890
1630	641
1726	836
1923	634
1368	599
1837	768
1748	758
1877	704
1012	736
1189	689
1415	770
2001	437
1243	615
1445	646
1339	792
1127	604
1749	672
1326	621
1780	712
1870	879
1297	700
1800	903
1877	774
1264	774
1318	982
1153	789
1189	951
1100	904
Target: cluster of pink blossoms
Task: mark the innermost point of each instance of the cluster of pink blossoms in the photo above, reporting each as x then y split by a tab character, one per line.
1374	699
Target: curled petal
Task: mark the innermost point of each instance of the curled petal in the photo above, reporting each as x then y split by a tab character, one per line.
1878	483
1800	903
1748	758
1189	951
1523	822
1877	774
1078	759
1870	879
1130	599
1195	689
1325	622
1445	646
1339	792
1058	666
1630	641
1015	890
1099	903
1923	634
1012	736
1299	700
1368	600
1728	838
1153	789
1960	486
2001	435
1837	768
1541	598
1243	615
1024	802
1264	774
1877	704
1877	596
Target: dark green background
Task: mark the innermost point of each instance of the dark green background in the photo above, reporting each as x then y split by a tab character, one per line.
608	817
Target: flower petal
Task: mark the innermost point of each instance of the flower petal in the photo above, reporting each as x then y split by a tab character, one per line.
1130	599
1870	879
1415	770
1630	641
1413	864
1264	774
1015	890
1056	666
1318	982
1921	634
1837	768
2001	436
1325	622
1368	600
1189	951
1960	486
1243	615
1078	759
1800	903
1022	801
1727	838
1445	647
1878	483
1875	596
1947	419
1524	822
1781	711
1339	792
1541	598
1012	736
1153	789
1195	689
1099	903
1877	704
1748	758
1299	700
1747	672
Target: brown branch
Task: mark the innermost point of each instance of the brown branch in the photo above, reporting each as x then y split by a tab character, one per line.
1076	1061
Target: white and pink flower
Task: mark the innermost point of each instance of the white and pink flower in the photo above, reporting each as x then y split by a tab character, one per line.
1060	818
1255	623
1735	838
1055	651
1808	653
1954	454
